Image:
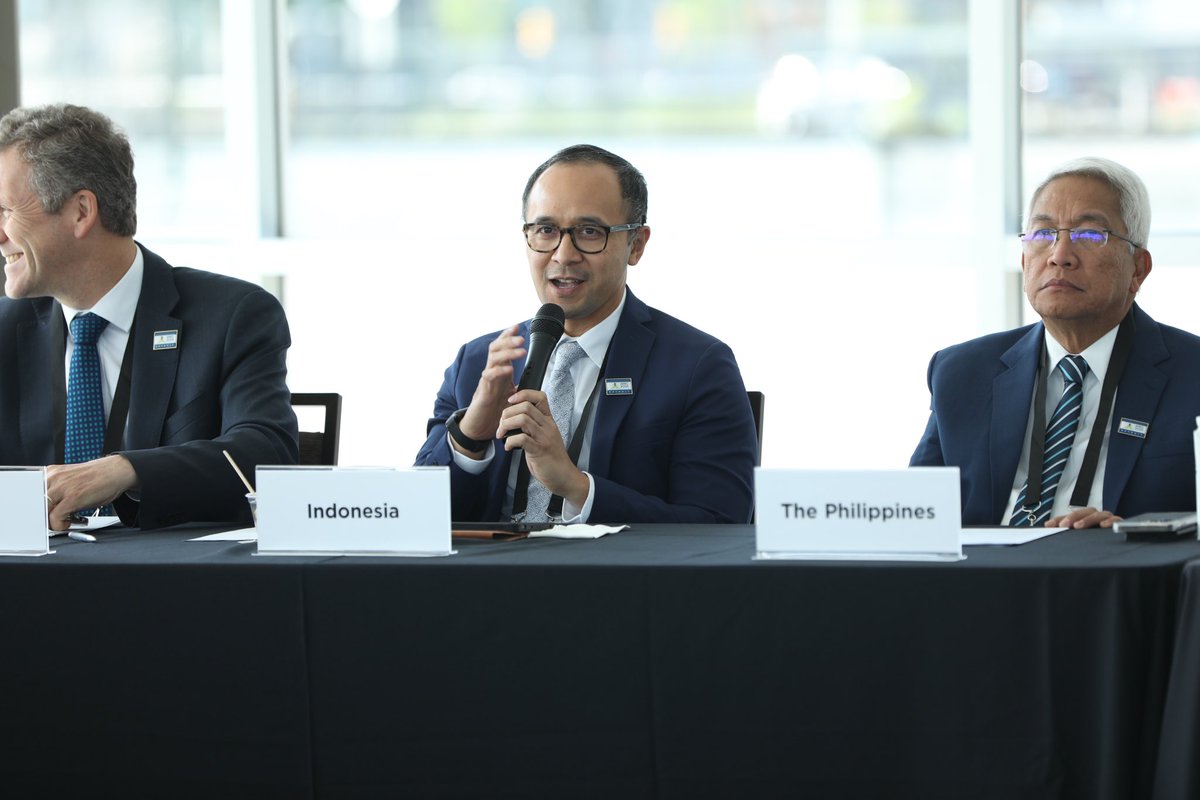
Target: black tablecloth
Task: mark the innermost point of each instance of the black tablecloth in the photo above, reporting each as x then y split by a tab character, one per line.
661	662
1179	750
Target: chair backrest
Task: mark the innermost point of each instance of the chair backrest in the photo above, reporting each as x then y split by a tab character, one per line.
320	447
758	402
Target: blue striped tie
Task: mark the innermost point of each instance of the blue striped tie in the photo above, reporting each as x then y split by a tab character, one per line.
1060	433
85	400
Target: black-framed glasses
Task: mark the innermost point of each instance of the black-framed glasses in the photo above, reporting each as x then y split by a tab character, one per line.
588	237
1087	238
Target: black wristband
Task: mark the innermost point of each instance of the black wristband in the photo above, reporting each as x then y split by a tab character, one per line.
464	441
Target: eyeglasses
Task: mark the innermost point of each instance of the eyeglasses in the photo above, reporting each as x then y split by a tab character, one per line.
543	237
1087	238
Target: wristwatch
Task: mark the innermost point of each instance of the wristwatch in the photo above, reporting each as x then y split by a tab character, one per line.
464	441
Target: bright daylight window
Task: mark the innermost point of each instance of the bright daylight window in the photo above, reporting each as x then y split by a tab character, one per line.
809	161
1122	80
798	155
154	66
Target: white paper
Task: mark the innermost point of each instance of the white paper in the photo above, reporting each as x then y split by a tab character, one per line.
576	531
1005	536
239	535
90	524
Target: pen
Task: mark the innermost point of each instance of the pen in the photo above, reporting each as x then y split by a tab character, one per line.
80	536
238	470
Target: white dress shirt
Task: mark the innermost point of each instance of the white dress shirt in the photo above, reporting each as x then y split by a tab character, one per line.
585	372
1097	357
118	306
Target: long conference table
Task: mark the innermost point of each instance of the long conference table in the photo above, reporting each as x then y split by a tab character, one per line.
660	662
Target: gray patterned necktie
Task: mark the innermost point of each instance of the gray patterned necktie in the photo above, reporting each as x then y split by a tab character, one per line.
560	393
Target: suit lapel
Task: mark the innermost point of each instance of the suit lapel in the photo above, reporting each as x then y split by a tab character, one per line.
1012	391
628	354
40	349
153	370
1138	392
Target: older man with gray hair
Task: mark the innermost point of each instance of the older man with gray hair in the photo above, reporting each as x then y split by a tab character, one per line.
126	376
1087	416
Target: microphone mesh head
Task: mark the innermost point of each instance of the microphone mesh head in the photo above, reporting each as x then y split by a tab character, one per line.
550	318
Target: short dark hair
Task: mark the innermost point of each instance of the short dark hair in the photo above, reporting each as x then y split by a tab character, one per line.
633	184
69	148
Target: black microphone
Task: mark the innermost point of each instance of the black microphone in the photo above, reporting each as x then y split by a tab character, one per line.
545	329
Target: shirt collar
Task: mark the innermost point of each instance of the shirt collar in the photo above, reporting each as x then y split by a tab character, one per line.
595	340
1097	355
119	304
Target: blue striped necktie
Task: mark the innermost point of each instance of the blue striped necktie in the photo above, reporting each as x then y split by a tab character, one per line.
85	399
1060	433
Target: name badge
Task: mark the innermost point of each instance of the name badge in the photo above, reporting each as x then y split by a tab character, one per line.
1132	427
618	386
885	515
346	511
26	528
166	340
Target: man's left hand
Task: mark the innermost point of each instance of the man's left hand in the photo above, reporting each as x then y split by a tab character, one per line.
1083	518
529	414
70	487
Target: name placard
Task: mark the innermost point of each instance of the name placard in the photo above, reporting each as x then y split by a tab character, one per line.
904	514
26	529
353	511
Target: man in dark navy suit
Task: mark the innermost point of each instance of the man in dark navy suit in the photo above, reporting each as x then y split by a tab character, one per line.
190	363
1126	443
669	436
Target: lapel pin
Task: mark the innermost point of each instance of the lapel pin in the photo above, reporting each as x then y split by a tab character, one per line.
166	340
1134	428
618	386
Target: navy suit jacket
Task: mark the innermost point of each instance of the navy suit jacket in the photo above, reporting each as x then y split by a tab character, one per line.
223	387
982	393
681	448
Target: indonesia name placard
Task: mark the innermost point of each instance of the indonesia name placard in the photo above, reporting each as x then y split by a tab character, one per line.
353	511
907	514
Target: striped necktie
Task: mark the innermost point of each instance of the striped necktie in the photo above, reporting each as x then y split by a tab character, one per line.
1060	433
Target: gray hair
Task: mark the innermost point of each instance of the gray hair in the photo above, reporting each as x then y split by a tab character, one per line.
1132	198
69	148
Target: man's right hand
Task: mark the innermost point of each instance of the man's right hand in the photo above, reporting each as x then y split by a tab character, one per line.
495	387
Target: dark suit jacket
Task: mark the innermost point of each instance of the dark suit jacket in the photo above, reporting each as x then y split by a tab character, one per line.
681	448
222	387
981	396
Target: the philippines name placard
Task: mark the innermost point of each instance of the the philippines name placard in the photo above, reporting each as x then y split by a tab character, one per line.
26	528
353	511
903	514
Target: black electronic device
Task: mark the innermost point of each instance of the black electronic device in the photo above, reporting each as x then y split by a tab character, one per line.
545	329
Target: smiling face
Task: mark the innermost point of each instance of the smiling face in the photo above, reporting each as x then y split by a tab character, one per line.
1081	294
32	241
589	287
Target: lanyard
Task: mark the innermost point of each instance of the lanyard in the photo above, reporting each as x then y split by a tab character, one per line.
1091	457
118	412
521	491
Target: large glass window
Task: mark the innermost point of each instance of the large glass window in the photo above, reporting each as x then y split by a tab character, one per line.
805	161
155	67
814	194
1122	80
